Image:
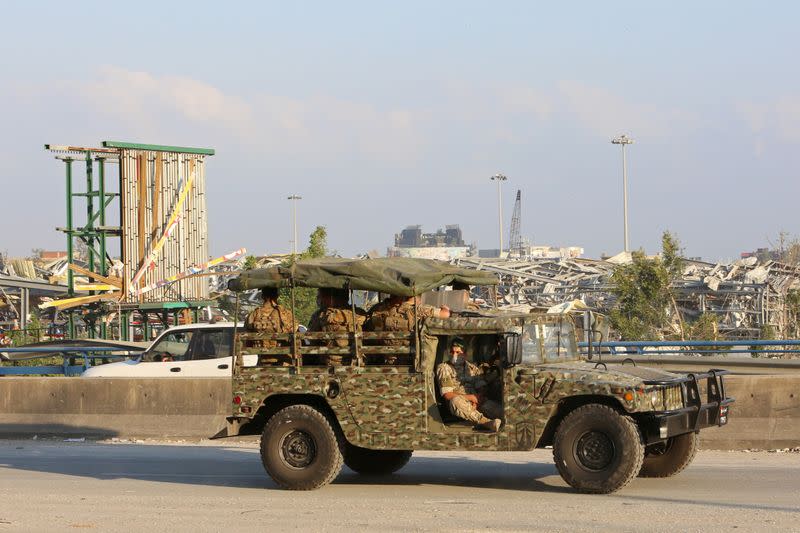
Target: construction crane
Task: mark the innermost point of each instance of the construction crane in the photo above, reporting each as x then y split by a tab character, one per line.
515	244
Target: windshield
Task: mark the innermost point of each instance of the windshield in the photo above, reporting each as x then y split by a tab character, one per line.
171	347
553	340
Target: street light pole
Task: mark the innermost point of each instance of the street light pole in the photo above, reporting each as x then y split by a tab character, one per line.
294	199
623	140
499	178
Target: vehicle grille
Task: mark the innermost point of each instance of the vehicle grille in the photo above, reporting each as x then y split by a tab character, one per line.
673	397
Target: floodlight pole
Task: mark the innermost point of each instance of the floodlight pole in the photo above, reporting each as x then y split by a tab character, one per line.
499	178
294	199
623	140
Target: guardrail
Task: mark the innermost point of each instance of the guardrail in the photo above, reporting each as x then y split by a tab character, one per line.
69	355
756	348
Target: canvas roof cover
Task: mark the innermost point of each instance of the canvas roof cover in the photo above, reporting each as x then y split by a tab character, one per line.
392	275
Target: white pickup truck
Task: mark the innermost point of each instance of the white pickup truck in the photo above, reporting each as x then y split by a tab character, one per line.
193	350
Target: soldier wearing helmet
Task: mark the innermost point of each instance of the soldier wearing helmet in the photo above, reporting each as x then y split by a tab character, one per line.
271	317
335	315
397	313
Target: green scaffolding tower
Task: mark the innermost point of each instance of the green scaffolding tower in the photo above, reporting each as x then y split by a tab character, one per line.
136	198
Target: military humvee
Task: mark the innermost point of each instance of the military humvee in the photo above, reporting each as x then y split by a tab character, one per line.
607	423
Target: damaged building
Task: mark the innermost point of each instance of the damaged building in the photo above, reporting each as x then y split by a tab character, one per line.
750	298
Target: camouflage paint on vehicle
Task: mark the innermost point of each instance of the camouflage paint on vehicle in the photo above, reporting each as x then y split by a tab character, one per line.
395	407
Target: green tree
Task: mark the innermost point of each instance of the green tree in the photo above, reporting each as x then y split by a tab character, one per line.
250	261
317	243
643	297
671	255
644	293
305	298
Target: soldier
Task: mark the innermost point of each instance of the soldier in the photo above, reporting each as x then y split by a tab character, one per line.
270	318
463	387
396	313
335	315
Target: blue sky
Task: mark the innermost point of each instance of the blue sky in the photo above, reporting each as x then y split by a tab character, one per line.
382	116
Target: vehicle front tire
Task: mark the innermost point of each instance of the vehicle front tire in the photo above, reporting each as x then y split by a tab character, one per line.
670	458
597	450
300	448
375	462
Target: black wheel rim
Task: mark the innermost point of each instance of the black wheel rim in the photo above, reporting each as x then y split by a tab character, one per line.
594	450
298	449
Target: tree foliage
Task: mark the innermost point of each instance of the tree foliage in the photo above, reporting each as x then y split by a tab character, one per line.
250	261
305	298
644	293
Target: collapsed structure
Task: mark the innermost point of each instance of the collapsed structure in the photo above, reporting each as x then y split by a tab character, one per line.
750	298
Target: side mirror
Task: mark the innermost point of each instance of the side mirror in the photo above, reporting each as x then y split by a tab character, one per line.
513	349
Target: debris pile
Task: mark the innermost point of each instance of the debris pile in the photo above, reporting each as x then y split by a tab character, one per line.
543	283
750	298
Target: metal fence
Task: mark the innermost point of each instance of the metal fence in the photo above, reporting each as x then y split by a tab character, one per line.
784	349
74	360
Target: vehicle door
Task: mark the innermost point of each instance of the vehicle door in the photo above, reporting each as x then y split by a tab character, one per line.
528	400
211	351
166	356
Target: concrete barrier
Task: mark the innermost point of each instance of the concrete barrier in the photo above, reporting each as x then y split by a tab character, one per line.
766	413
113	407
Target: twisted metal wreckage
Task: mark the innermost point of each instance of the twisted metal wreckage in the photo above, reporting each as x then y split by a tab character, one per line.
749	298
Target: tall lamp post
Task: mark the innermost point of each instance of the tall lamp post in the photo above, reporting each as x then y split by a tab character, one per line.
294	199
623	140
499	178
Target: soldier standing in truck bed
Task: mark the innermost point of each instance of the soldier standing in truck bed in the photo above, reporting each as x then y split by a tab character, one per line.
271	317
333	316
396	313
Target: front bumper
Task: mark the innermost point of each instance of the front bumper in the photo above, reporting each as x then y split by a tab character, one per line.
704	407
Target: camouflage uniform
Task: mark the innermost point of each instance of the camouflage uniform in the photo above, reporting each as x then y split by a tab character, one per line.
466	379
336	319
391	316
270	318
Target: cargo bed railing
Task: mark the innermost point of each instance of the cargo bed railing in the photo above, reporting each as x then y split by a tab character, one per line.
364	347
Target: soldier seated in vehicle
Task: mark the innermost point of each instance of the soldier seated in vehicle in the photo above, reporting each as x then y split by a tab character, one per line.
464	388
335	315
271	317
396	313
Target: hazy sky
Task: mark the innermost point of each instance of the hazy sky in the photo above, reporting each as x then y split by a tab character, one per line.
383	115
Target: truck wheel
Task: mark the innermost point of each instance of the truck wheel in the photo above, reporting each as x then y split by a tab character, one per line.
375	462
597	450
669	458
300	449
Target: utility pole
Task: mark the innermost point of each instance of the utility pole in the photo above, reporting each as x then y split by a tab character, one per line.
294	199
623	140
499	178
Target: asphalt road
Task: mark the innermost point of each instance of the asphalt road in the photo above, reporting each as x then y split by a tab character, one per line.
58	486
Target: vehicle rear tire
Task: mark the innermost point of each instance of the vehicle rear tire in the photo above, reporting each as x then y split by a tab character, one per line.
300	448
670	458
375	462
597	450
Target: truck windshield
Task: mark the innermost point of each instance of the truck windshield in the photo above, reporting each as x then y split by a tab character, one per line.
548	341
